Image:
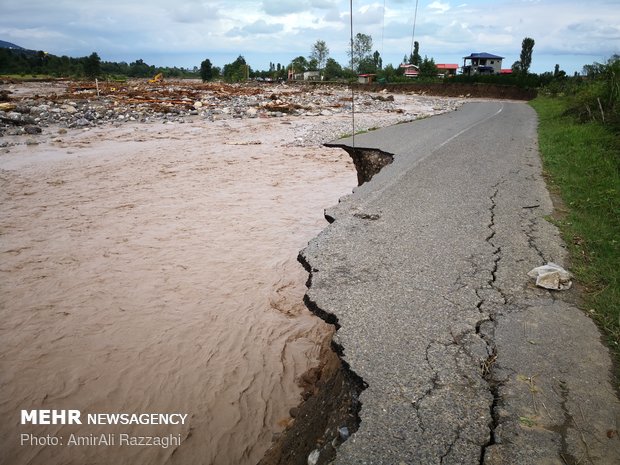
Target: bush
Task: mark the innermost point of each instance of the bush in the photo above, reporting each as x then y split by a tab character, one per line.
598	98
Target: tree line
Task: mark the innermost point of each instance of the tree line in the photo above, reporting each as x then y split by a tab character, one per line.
36	63
363	59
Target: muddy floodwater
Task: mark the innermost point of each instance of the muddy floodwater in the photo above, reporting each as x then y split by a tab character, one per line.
151	268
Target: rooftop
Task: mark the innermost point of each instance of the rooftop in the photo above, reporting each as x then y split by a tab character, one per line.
484	55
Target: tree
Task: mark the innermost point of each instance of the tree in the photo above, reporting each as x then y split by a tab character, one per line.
332	69
362	48
92	65
299	64
140	69
558	73
378	62
389	73
527	46
313	65
428	68
367	66
319	52
236	71
206	70
415	58
371	64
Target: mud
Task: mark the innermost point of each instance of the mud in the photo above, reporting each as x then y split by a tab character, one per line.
153	269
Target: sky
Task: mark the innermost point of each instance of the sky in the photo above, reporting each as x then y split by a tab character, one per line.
182	33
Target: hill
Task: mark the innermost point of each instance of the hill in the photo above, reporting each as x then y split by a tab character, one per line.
4	44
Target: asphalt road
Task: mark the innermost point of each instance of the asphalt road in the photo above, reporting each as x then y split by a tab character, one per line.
425	268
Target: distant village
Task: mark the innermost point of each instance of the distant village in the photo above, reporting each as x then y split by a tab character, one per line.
475	64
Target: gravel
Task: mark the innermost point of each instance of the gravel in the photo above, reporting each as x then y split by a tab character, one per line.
326	110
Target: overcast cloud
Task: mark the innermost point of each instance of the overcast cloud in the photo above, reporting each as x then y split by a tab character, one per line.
183	33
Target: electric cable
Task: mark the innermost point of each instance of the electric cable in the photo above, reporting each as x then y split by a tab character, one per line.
352	69
415	17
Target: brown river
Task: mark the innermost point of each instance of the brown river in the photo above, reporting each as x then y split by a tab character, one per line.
152	269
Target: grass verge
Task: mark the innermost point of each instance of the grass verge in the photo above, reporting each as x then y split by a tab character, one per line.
582	164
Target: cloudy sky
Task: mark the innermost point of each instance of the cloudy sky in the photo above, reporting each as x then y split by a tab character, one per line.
571	33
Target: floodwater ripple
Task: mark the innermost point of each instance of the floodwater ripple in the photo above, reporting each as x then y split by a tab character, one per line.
153	269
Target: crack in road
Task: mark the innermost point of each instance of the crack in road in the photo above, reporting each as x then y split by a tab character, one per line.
488	334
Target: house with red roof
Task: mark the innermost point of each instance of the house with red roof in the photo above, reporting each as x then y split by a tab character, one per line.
411	71
447	70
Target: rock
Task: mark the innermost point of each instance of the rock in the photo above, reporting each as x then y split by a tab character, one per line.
326	113
197	105
251	112
69	109
343	432
33	130
17	119
82	122
313	458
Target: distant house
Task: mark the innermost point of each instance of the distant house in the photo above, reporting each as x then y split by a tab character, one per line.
366	78
447	69
305	76
482	63
312	76
411	71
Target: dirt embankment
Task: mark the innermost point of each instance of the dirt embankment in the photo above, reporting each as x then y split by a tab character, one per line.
446	89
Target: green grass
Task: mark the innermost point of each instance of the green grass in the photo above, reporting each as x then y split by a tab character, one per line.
27	77
582	164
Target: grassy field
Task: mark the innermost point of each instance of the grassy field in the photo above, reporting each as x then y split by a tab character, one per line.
582	164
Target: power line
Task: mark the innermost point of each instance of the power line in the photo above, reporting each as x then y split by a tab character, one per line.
415	17
382	27
352	69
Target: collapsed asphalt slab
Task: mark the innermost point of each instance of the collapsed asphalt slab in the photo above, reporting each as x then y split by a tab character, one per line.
424	268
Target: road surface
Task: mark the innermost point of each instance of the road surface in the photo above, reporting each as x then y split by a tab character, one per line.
425	268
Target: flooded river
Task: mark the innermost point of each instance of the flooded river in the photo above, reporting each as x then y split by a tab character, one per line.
152	269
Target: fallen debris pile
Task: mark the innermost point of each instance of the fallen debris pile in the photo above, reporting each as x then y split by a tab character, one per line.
88	104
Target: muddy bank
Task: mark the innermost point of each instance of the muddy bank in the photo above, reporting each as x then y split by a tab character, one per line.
325	419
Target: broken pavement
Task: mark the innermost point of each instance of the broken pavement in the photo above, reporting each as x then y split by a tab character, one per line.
424	269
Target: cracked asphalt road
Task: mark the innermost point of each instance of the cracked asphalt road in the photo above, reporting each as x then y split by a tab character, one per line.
425	268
